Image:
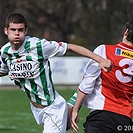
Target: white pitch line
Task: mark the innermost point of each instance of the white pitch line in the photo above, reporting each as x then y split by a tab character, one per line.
16	113
16	128
9	127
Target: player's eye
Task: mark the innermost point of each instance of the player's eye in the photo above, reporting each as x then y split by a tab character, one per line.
21	29
13	29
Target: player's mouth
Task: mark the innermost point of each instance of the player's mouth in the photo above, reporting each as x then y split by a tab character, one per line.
17	38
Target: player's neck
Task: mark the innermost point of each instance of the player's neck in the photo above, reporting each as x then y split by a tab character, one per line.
15	46
127	42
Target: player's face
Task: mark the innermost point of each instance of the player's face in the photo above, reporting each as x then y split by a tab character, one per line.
16	34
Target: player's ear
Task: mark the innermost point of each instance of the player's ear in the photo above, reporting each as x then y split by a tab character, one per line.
26	30
5	30
126	32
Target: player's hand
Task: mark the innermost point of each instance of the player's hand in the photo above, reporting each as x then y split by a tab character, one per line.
70	108
105	64
74	122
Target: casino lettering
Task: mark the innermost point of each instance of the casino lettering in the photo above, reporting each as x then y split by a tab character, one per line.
20	67
22	75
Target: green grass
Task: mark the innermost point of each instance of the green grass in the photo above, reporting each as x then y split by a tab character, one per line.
16	116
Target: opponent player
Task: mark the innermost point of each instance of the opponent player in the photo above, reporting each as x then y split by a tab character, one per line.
108	96
26	60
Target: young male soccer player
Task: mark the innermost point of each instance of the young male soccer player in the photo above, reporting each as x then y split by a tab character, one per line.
26	60
108	96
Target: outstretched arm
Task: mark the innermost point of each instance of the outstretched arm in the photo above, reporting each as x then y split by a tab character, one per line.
79	101
105	64
71	103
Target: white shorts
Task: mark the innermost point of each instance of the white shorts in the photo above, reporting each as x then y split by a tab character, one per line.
54	117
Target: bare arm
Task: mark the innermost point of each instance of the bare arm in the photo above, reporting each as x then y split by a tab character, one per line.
79	101
105	64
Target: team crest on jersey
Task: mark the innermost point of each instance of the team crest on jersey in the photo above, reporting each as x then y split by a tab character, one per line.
19	60
124	53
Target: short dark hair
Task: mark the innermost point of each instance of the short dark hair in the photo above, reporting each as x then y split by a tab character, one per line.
130	31
15	18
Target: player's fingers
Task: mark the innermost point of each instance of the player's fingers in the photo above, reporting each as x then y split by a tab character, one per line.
105	69
74	127
108	68
77	120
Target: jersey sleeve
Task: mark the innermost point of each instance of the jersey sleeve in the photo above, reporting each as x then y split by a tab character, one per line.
72	100
91	73
3	66
53	48
100	50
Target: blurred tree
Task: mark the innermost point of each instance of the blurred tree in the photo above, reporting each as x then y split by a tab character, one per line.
55	19
103	21
84	22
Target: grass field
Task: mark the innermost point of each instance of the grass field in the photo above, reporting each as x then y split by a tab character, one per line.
16	116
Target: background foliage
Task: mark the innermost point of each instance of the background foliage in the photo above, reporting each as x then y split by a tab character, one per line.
84	22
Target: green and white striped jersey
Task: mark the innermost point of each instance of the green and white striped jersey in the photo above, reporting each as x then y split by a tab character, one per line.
72	100
29	67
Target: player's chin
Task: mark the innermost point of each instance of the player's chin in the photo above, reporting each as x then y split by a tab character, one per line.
17	42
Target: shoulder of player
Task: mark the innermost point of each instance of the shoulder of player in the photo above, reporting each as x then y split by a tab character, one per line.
102	47
5	47
34	39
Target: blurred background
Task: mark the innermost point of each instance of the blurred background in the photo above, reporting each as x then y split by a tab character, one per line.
83	22
88	23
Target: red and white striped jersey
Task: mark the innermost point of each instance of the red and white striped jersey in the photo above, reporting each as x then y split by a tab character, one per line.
111	91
